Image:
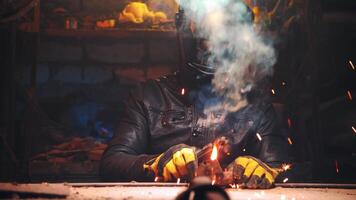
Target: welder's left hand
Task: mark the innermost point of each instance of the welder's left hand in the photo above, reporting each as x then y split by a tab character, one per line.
252	173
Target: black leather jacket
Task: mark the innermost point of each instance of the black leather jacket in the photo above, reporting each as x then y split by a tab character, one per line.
157	116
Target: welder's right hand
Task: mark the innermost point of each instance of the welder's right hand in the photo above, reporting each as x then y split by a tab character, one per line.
179	161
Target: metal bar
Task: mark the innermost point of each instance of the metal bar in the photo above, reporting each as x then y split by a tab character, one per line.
20	13
129	184
59	190
154	184
316	185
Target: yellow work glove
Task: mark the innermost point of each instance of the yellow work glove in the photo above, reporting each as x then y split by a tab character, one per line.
252	173
179	161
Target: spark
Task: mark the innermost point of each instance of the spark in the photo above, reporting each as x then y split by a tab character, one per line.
214	153
178	180
156	178
259	136
213	182
352	65
183	91
244	150
289	122
286	167
349	95
285	180
290	141
354	129
273	92
234	186
284	83
337	166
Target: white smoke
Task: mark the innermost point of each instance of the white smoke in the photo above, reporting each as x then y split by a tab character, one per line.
240	54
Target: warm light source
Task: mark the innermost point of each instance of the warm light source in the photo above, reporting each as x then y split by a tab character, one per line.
214	153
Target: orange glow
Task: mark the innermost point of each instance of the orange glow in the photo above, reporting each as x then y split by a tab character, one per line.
352	65
214	153
183	91
349	95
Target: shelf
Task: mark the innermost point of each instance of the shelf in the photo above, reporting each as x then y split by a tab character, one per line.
110	33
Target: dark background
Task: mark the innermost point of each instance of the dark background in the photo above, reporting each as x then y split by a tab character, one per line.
57	85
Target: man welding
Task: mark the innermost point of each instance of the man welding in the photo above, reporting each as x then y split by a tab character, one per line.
164	125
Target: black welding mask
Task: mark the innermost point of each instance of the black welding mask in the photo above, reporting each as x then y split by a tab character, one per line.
202	65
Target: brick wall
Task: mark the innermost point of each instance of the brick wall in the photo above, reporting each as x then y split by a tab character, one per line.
82	82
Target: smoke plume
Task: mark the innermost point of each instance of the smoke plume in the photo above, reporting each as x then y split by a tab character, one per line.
240	54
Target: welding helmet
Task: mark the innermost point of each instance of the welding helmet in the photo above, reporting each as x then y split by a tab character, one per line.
202	62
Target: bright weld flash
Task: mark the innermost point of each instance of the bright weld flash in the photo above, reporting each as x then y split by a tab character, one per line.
214	153
349	95
352	65
259	136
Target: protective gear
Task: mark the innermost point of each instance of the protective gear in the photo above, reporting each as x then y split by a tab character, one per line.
252	173
179	161
203	62
157	116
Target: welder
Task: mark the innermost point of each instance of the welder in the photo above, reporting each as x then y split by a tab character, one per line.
159	133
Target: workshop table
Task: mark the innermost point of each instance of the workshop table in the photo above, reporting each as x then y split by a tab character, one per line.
168	191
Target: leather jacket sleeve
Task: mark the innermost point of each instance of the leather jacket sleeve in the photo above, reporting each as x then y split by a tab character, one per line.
124	157
272	146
